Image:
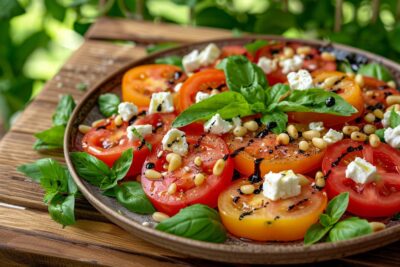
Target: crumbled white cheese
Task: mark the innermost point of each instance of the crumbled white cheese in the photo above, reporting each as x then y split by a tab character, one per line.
300	80
333	136
142	130
281	185
386	118
161	103
392	136
316	126
267	65
217	125
127	110
291	64
175	140
361	171
201	96
191	61
209	55
236	122
178	87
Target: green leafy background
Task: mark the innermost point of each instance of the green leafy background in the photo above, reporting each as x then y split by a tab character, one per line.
37	36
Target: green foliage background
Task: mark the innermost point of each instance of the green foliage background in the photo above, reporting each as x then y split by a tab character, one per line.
37	36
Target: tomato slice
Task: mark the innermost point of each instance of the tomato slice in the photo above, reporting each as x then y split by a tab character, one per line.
232	50
375	199
259	218
108	141
209	148
276	158
375	93
139	83
203	81
346	87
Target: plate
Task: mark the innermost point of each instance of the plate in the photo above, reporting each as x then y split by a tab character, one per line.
233	250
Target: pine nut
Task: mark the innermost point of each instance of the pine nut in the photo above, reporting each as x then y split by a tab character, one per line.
251	125
303	180
159	216
84	129
378	113
319	143
171	189
369	128
165	166
319	175
239	131
199	179
283	139
320	183
330	81
350	74
118	120
359	80
288	52
303	145
292	131
219	167
175	163
377	226
310	134
348	130
374	140
247	189
152	174
391	84
393	99
328	56
197	161
395	107
214	92
97	123
303	50
370	117
160	153
357	136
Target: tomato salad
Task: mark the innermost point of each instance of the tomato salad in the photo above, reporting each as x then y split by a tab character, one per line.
270	141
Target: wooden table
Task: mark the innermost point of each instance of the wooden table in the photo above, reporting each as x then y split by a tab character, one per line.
27	234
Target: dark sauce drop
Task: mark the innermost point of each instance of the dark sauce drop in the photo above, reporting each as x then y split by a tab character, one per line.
150	165
256	176
330	101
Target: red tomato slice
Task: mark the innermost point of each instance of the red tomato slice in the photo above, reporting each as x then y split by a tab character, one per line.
375	93
375	199
209	148
108	141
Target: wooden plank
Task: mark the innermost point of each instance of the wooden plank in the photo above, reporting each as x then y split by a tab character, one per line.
149	32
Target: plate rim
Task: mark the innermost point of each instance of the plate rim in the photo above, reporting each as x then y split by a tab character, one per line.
384	237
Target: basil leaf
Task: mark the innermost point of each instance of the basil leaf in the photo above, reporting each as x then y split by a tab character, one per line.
396	217
108	104
344	66
315	233
131	196
278	117
72	188
110	192
375	70
61	209
337	207
93	170
54	178
254	46
394	119
349	228
198	222
123	164
314	100
31	170
52	138
227	104
325	220
64	110
276	93
40	145
159	47
381	134
171	60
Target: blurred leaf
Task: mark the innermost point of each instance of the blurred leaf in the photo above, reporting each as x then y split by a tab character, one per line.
394	37
159	47
56	10
215	17
10	9
190	3
274	21
171	60
81	28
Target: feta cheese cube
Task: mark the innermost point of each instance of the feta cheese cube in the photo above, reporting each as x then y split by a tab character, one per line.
267	65
291	64
333	136
142	130
300	80
392	136
361	171
217	125
201	96
178	87
316	126
161	103
236	122
191	61
175	140
386	118
281	185
209	55
127	110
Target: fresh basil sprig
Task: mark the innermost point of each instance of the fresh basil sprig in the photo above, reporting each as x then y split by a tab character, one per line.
131	196
108	104
254	46
171	60
394	119
330	225
97	172
375	70
60	189
198	222
64	110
